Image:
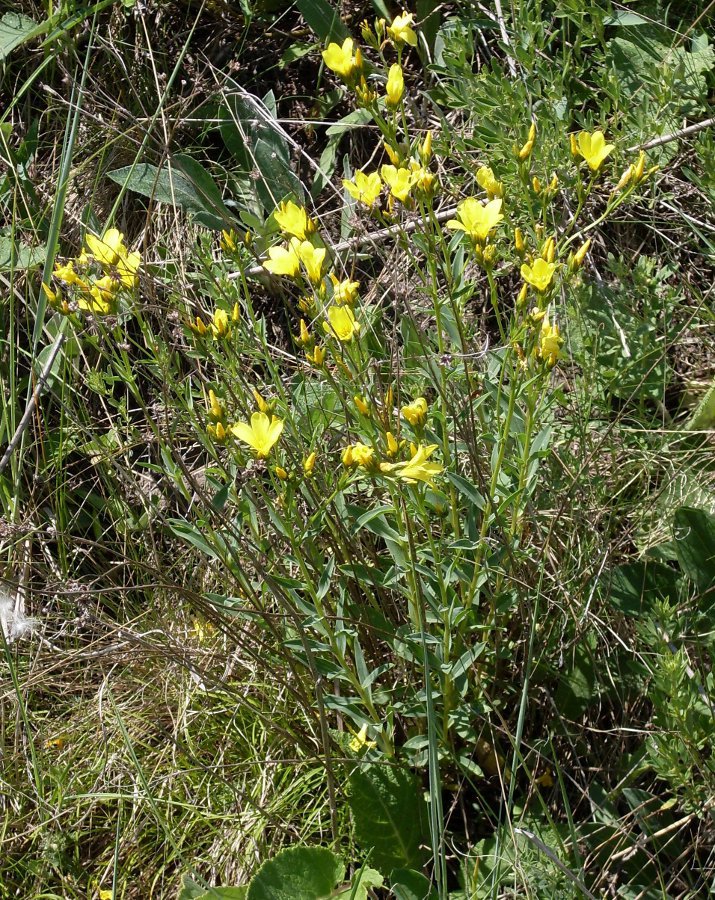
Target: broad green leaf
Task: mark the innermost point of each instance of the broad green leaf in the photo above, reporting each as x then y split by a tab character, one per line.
324	20
389	812
694	535
410	885
298	873
189	890
703	417
17	256
636	587
15	29
182	182
257	142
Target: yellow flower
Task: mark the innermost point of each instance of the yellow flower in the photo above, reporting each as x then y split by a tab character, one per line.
415	412
317	357
639	168
341	323
525	151
477	219
398	180
106	894
228	241
309	464
294	220
549	251
574	145
67	274
198	326
312	259
360	455
340	59
127	269
99	296
488	182
580	254
216	410
220	326
236	313
284	260
594	149
519	245
364	188
281	473
361	405
360	740
392	154
418	468
392	444
344	291
217	432
260	402
536	184
549	342
304	339
401	31
395	85
540	275
425	150
422	178
261	434
625	178
108	249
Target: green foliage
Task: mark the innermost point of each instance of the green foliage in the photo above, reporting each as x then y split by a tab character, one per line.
345	530
389	815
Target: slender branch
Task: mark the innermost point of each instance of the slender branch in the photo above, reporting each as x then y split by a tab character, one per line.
667	138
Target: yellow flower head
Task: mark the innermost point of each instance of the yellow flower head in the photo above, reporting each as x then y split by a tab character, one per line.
361	405
344	291
392	444
361	455
309	464
360	741
228	241
341	323
488	182
261	434
425	150
312	259
540	275
260	400
341	60
392	154
216	410
476	218
415	412
65	272
549	342
220	326
401	31
418	468
217	432
398	180
525	151
99	297
594	149
580	254
364	188
108	249
317	357
519	244
284	260
395	85
422	178
127	268
294	220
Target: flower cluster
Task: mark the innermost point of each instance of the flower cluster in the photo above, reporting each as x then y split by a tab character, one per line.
95	279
